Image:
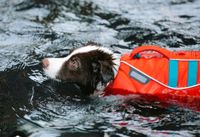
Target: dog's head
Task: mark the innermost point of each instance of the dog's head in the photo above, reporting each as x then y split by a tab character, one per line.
87	66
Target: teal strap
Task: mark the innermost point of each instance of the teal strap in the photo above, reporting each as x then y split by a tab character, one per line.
173	73
192	73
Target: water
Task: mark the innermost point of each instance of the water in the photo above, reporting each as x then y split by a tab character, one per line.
33	29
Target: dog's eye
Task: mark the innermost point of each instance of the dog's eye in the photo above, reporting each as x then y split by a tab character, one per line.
73	64
74	61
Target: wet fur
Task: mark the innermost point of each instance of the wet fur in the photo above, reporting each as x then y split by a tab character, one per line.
88	69
94	67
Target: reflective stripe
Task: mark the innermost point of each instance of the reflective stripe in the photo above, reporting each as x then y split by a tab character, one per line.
192	73
140	77
173	73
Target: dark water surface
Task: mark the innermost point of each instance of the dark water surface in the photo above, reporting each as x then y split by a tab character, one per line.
33	29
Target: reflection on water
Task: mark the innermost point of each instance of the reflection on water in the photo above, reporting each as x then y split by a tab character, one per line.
33	29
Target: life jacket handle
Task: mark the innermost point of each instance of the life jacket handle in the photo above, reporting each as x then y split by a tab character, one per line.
158	49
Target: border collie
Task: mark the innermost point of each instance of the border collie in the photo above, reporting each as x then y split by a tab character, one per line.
86	66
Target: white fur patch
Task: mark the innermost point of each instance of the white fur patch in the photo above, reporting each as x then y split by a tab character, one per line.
54	67
55	64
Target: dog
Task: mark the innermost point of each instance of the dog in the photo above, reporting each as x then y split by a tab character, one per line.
149	71
86	66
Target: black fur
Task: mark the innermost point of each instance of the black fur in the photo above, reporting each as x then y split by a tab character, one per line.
88	69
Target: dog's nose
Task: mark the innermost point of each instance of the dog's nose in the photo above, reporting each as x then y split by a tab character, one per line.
45	63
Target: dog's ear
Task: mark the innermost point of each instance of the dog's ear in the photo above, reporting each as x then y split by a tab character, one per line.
95	67
106	71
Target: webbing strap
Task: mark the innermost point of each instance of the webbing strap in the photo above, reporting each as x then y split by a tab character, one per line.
173	73
192	73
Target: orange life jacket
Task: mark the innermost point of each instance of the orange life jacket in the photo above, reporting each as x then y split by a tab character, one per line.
152	70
